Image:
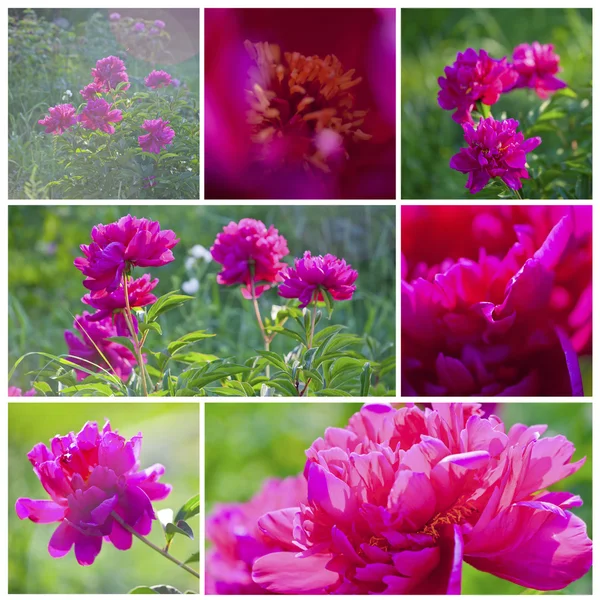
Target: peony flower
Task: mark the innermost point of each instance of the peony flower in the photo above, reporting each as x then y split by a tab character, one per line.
61	117
495	149
129	242
474	78
15	391
310	275
99	114
159	24
488	325
113	304
109	72
114	16
237	541
90	477
250	253
94	351
399	499
159	135
91	91
537	65
157	79
139	27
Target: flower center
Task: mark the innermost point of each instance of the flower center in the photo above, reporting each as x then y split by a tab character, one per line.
454	516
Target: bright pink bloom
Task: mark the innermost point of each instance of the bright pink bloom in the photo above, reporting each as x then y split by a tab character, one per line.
98	114
139	27
159	135
495	149
109	72
129	242
473	77
537	66
158	79
15	391
93	346
487	326
113	304
61	117
310	275
159	24
114	16
90	476
250	253
237	540
91	91
398	499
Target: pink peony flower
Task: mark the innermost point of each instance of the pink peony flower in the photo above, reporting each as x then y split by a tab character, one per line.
495	149
473	77
139	27
114	16
98	114
91	476
159	136
158	79
15	391
61	117
113	304
250	253
310	275
488	325
129	242
237	540
94	351
398	499
109	72
91	91
159	24
537	66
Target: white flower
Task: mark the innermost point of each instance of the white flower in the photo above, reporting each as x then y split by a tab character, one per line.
200	252
275	310
190	263
190	287
68	93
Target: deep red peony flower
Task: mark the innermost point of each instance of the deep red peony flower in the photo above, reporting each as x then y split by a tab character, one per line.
59	119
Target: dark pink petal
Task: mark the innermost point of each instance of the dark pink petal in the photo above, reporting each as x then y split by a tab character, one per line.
39	511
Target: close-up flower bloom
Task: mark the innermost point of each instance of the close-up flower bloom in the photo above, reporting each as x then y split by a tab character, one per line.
473	77
310	275
159	136
495	149
91	91
250	254
157	79
237	541
99	114
400	498
94	351
116	247
537	65
59	119
501	313
90	477
109	72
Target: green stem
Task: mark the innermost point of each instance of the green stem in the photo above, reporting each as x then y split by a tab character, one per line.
134	337
313	320
154	547
265	337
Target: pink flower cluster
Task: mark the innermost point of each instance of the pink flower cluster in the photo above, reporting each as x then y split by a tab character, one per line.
94	482
251	254
398	500
498	304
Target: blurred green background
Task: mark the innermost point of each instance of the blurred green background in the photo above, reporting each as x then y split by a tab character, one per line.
430	40
171	437
45	288
247	442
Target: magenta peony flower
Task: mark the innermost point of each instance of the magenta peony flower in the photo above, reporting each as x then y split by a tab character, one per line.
398	499
91	476
537	66
237	539
15	391
139	27
159	24
94	351
109	72
249	252
129	242
61	117
158	79
91	91
488	326
310	275
495	149
159	135
112	304
114	16
98	114
473	77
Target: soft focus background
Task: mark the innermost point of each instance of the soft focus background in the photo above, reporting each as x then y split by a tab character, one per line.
171	437
55	52
431	39
45	288
245	443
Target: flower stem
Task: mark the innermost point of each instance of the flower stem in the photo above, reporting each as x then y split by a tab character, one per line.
154	547
265	337
134	337
313	319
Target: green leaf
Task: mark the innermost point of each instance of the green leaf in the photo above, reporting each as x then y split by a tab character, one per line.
194	558
274	359
143	327
165	303
181	527
187	339
43	387
331	392
365	380
142	589
286	332
75	390
190	509
123	341
552	114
